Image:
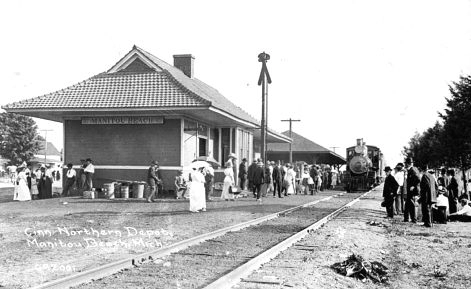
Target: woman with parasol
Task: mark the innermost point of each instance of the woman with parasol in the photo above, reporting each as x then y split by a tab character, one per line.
197	191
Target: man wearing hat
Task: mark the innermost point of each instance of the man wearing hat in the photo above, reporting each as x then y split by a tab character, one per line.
313	173
152	181
277	179
428	196
243	173
258	180
250	177
389	191
413	190
399	199
70	179
452	191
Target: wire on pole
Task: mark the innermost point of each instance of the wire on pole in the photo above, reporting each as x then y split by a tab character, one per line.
45	144
290	136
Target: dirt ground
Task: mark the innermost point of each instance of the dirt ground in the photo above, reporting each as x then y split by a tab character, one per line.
197	265
46	239
416	256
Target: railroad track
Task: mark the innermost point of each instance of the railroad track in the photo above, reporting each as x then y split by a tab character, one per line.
217	259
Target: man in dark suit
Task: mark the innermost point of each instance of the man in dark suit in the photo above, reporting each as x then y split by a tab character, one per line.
428	196
389	192
258	180
277	179
452	192
313	173
413	190
243	173
250	175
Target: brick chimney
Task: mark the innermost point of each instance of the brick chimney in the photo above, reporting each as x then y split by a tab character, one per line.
184	62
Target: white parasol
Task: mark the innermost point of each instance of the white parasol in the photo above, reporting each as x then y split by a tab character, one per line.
199	164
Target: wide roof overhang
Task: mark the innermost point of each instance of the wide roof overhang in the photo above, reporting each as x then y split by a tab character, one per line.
206	114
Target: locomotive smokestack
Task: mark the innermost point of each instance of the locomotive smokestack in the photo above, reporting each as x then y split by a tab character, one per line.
359	141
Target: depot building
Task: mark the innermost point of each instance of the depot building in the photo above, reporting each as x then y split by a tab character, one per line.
144	109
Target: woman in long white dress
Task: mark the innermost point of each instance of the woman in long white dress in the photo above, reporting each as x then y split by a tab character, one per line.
21	187
290	178
197	192
228	182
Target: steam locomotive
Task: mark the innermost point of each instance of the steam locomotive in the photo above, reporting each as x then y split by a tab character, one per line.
364	167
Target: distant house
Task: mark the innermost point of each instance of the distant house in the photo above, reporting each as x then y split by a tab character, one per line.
305	150
51	156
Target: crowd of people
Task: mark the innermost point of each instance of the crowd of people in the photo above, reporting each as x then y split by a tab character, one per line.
197	187
283	180
37	184
259	178
405	188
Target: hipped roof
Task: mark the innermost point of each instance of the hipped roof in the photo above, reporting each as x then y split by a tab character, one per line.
301	144
162	88
51	149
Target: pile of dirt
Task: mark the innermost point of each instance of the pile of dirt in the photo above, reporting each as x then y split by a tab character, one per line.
358	268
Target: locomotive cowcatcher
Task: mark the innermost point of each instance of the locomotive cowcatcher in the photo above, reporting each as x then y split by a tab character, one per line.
364	167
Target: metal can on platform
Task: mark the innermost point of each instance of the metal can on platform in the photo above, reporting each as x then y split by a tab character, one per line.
124	192
109	190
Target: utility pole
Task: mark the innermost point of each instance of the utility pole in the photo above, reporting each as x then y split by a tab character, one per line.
45	145
263	79
333	148
290	136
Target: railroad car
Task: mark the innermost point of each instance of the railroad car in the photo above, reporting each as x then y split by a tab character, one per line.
364	167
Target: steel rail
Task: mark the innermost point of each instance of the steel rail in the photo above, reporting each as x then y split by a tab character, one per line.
116	266
235	276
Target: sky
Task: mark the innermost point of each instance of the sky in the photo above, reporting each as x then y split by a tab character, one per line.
377	70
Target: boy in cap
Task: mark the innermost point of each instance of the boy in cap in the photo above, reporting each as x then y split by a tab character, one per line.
440	208
180	185
152	181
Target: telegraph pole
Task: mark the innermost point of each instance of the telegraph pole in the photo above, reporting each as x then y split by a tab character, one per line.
290	136
45	146
333	148
263	79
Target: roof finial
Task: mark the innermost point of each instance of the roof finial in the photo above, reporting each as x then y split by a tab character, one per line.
134	46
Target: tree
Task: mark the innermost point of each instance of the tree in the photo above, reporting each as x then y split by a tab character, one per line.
448	144
19	139
457	125
427	148
412	150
